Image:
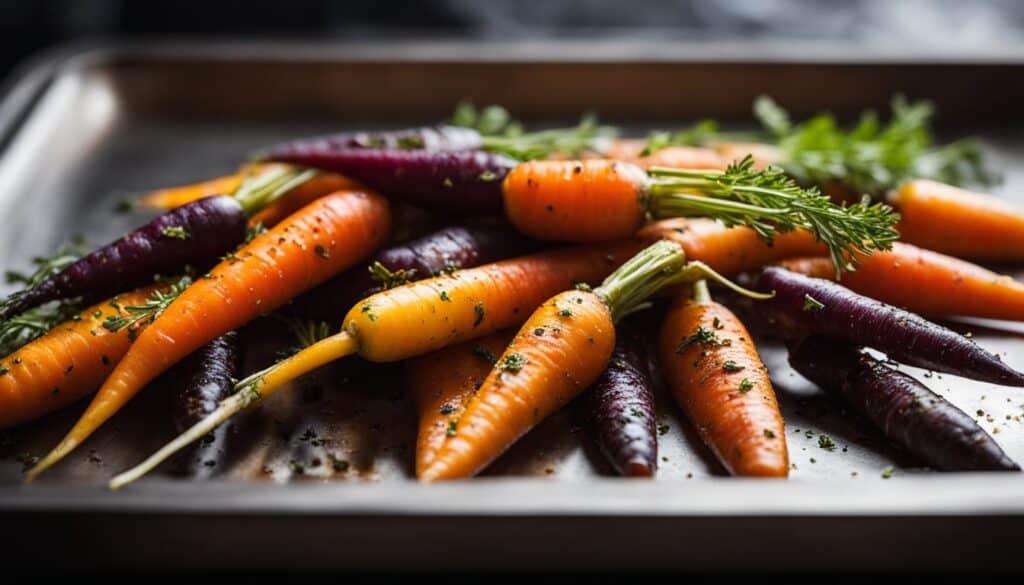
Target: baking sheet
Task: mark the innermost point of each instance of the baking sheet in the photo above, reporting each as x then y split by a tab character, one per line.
116	121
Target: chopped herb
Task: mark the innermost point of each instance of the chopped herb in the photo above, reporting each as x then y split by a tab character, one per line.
338	464
322	252
513	362
255	231
717	323
731	366
366	309
826	442
150	309
769	434
452	426
584	287
445	297
701	336
539	332
447	408
479	310
746	386
176	232
812	305
663	429
296	467
488	176
887	472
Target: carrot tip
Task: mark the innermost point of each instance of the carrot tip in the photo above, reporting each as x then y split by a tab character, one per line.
66	446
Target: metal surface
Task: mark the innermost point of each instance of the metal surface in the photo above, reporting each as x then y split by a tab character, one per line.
87	127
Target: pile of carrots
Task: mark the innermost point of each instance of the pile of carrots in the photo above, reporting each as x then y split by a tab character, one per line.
520	297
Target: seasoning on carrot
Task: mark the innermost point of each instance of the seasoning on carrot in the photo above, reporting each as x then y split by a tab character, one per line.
621	408
925	282
67	363
442	383
804	305
960	223
418	318
561	349
908	413
717	377
318	241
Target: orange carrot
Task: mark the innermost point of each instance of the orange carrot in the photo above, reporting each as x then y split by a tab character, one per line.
960	223
925	282
763	154
442	383
418	318
730	250
320	240
714	372
560	351
177	196
584	201
684	157
67	363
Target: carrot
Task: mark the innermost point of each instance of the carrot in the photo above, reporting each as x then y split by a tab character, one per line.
66	364
442	383
318	241
562	349
177	196
730	250
763	154
715	374
925	282
418	318
958	222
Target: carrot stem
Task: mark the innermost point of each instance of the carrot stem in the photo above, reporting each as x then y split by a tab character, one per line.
701	294
627	289
255	193
248	392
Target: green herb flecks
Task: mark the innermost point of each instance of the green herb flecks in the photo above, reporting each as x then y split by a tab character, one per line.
150	309
175	232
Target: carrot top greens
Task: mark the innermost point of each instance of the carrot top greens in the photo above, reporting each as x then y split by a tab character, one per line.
769	201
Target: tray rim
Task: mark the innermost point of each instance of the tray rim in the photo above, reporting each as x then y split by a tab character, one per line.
915	495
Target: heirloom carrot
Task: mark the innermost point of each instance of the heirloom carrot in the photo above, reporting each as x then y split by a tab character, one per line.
418	318
442	383
717	377
172	197
960	223
318	241
562	349
67	363
925	282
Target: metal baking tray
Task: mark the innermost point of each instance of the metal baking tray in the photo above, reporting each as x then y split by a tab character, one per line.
82	127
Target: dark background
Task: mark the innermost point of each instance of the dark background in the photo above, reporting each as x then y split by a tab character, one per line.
952	26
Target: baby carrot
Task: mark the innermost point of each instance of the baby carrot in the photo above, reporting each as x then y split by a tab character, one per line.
66	364
418	318
562	349
318	241
172	197
442	383
925	282
302	195
717	377
958	222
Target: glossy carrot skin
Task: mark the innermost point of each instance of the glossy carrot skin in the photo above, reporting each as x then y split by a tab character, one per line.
908	413
448	249
925	282
442	383
958	222
212	226
620	409
730	250
320	240
839	313
740	422
66	364
580	201
210	377
417	318
556	355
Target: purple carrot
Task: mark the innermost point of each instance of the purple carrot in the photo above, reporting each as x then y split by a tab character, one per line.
195	234
804	305
447	249
464	182
211	372
432	138
621	409
907	412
